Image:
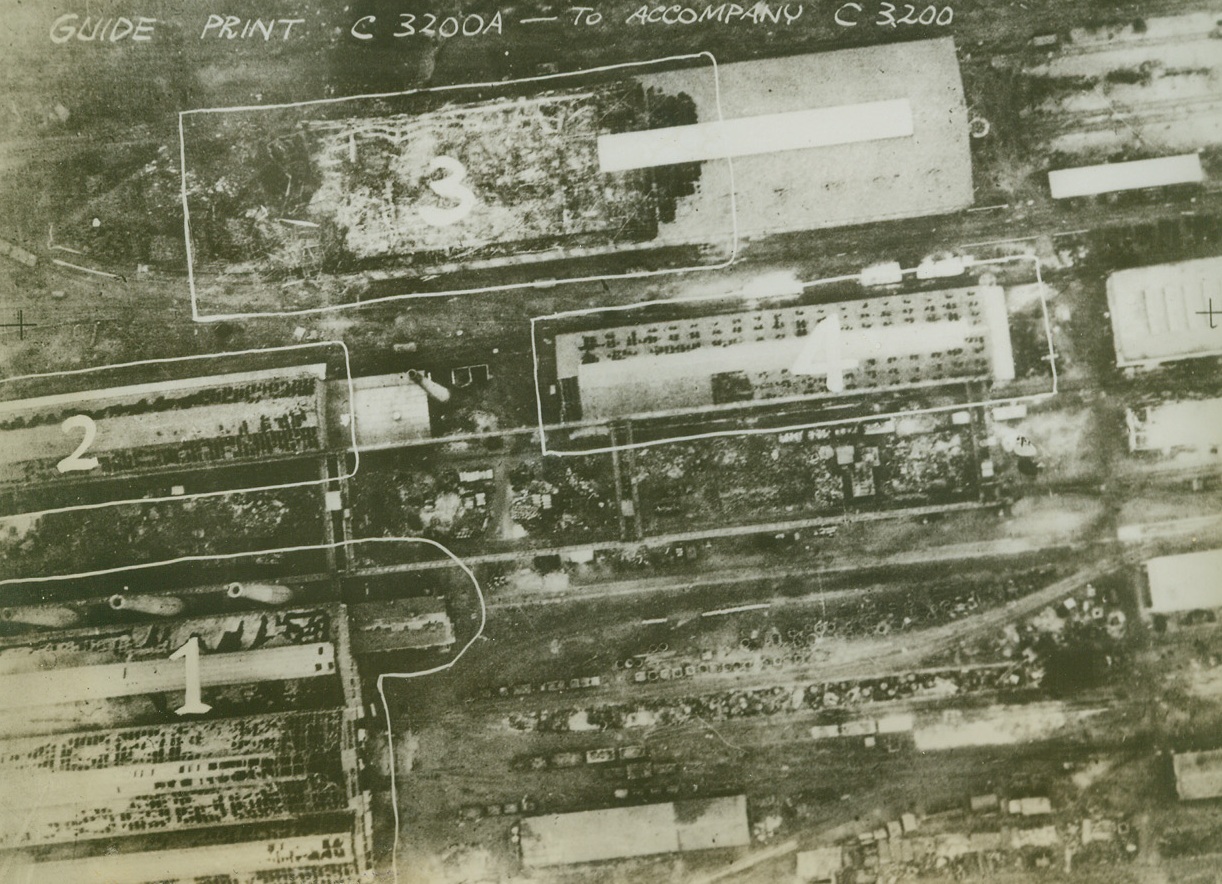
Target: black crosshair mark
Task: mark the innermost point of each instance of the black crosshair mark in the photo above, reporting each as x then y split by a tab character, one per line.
21	325
1210	312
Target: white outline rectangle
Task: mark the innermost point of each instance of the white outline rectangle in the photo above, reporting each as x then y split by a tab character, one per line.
760	407
217	317
355	451
381	679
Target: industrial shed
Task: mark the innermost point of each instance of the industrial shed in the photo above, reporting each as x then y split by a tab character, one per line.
389	409
305	858
734	359
626	832
1135	175
401	624
1190	425
876	172
169	425
1188	582
1198	775
1162	313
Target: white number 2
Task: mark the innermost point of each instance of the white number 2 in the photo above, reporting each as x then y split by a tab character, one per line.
189	654
74	462
452	188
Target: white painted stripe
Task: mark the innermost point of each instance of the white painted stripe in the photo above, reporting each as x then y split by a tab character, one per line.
749	136
762	606
1110	177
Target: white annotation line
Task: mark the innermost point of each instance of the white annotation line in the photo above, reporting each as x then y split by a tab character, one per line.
770	431
104	273
198	316
212	557
390	746
356	455
531	21
720	612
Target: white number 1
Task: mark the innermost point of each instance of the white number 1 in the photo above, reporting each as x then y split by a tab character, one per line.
195	704
74	462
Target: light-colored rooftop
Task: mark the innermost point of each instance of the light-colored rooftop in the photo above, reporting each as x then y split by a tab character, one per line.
819	865
1161	313
1198	775
926	173
84	683
890	342
192	863
790	130
1135	175
1189	425
624	832
1188	582
390	409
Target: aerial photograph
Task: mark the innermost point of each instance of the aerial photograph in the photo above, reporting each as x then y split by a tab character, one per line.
635	443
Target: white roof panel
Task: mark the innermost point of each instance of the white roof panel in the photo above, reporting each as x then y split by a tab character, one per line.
1188	582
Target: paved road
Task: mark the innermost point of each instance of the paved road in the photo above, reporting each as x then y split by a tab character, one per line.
680	537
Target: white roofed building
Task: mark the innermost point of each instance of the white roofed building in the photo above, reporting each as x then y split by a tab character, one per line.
1188	582
1198	775
1188	427
1162	313
823	140
625	832
730	360
389	410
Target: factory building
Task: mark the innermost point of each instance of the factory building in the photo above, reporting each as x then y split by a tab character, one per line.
109	772
877	344
389	410
820	140
1163	313
1185	426
401	624
625	832
1198	775
308	859
1135	175
171	425
1187	582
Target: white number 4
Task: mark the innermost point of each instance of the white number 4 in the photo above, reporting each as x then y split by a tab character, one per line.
821	355
189	653
74	462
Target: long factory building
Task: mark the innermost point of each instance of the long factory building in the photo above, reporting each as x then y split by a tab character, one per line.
89	780
624	832
820	140
877	344
1165	312
168	425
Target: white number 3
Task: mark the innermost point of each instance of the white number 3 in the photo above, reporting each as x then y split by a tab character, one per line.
451	188
74	462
